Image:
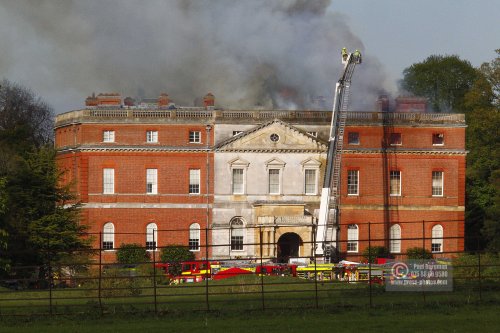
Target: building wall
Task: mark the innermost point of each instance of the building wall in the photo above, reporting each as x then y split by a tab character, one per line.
82	152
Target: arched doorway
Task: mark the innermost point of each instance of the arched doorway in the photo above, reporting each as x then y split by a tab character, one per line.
288	246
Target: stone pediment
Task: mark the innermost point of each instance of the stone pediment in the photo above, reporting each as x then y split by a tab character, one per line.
273	136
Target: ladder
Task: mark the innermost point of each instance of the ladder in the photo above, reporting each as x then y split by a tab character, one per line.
330	196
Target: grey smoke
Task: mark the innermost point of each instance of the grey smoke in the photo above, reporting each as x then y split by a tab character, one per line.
276	54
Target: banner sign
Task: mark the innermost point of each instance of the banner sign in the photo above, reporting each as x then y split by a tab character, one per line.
419	275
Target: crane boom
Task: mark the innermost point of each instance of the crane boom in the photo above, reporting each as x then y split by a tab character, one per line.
326	229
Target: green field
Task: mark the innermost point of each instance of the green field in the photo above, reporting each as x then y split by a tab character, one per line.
248	304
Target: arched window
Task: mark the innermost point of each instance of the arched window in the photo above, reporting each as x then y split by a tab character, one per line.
395	239
194	237
108	236
151	236
437	239
237	233
352	238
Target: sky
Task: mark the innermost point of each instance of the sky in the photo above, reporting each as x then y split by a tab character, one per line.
266	53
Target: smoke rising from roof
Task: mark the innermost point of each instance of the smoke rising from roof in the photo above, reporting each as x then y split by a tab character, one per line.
276	54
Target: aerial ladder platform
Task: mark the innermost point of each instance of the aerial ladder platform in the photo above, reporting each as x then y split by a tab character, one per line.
328	218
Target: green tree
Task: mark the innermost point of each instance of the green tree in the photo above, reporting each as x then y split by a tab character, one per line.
39	216
483	160
418	253
175	255
374	252
132	254
444	80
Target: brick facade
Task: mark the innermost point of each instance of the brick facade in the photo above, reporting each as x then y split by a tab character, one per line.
426	143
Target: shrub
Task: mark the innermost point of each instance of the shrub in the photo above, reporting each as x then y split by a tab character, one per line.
131	254
174	255
418	253
466	267
375	252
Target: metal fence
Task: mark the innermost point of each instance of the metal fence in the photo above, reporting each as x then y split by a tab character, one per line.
91	281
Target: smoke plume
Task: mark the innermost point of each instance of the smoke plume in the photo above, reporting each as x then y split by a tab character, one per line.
273	54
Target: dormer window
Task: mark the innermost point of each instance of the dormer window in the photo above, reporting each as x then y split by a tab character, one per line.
437	139
353	138
395	139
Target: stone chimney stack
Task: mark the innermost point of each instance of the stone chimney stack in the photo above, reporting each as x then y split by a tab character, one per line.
382	104
163	100
209	100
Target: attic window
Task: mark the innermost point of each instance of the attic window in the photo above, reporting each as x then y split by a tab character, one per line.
437	139
274	137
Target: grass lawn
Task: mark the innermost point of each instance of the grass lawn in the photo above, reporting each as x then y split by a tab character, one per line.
243	304
465	318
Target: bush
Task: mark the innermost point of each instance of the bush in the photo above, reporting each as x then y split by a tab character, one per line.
132	254
418	253
174	255
466	267
375	252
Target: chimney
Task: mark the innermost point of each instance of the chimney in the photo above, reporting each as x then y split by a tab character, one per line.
129	101
109	99
382	104
163	100
411	104
91	100
209	100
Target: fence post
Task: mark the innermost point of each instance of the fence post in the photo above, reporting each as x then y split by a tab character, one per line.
49	267
315	268
206	266
261	275
479	274
423	252
154	271
370	261
100	273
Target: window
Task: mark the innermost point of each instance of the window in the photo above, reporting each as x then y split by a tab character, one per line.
310	181
274	137
353	138
237	133
194	237
152	181
194	181
108	181
352	238
237	232
395	139
108	236
353	182
437	239
274	181
194	137
395	239
437	183
315	134
437	139
238	185
152	136
108	136
395	183
151	236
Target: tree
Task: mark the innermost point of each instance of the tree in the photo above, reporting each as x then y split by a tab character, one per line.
24	117
175	255
418	253
132	254
483	161
444	80
371	253
39	218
